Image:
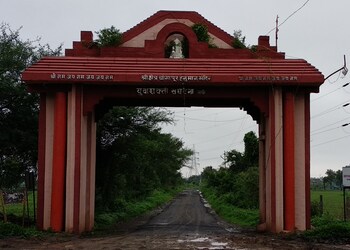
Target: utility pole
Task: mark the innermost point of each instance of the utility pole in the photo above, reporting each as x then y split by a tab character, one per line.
276	34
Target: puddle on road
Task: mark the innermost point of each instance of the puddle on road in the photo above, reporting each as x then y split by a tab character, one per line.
206	243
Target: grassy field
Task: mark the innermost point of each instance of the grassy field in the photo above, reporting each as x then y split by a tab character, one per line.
332	202
17	208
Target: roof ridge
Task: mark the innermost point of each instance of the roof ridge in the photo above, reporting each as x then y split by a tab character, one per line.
214	25
176	14
138	24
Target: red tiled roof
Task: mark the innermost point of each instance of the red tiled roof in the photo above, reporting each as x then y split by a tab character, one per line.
109	70
147	65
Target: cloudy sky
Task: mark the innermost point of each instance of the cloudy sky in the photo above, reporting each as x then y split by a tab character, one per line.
319	32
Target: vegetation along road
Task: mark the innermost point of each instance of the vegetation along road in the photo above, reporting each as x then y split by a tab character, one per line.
186	223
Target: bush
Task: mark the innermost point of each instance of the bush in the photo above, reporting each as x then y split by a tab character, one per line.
109	37
320	221
10	229
316	209
247	189
239	40
327	229
201	32
335	231
229	212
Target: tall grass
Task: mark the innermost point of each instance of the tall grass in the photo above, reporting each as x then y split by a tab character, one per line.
19	210
332	202
228	212
17	216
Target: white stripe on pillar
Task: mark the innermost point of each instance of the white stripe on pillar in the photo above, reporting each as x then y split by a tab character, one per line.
92	173
262	172
268	182
279	158
83	166
70	159
300	213
50	107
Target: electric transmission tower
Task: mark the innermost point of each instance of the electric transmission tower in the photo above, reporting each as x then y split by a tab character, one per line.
194	164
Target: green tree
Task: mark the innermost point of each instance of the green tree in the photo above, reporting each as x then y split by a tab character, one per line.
240	43
134	157
235	160
339	178
239	183
247	188
109	37
238	161
251	149
202	34
18	107
329	179
333	179
208	176
238	40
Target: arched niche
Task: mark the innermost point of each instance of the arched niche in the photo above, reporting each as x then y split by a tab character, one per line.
172	42
194	47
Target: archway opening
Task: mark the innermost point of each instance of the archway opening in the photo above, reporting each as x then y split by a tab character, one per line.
210	131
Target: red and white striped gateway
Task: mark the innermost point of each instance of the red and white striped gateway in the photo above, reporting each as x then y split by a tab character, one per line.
78	88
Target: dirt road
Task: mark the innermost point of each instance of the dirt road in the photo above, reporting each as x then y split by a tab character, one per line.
186	223
186	215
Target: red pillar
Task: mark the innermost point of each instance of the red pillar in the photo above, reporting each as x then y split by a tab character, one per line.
59	162
288	161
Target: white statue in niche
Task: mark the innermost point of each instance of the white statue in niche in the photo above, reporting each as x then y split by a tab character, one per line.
177	49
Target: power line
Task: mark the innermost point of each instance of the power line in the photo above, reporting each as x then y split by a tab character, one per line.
345	89
223	136
329	125
197	109
285	20
216	126
331	109
319	97
337	139
205	120
222	147
330	129
212	158
326	112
